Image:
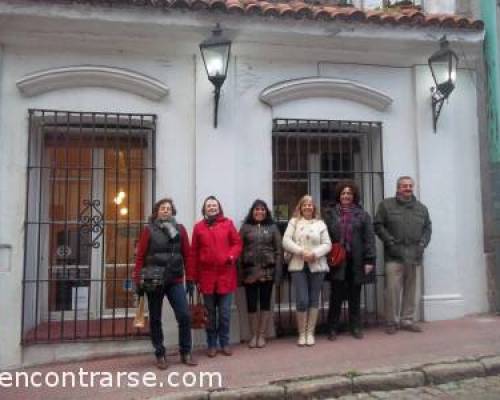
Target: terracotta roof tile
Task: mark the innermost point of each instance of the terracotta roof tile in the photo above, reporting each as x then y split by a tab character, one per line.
286	10
302	10
389	19
199	5
217	5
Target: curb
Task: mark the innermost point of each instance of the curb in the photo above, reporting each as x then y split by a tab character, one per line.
353	382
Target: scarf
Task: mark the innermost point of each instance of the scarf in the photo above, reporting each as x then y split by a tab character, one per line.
346	214
169	226
210	220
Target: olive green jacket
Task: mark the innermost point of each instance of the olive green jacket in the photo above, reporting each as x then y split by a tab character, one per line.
405	228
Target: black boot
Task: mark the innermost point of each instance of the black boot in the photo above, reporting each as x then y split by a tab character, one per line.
357	333
161	362
187	358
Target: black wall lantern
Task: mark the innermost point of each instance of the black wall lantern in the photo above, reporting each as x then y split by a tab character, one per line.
215	52
443	64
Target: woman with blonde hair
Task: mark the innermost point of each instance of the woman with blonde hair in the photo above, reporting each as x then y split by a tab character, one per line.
306	238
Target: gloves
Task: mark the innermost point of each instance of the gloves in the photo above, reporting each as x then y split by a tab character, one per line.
139	291
190	288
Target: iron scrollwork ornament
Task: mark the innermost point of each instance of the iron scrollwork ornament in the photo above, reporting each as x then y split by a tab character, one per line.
91	221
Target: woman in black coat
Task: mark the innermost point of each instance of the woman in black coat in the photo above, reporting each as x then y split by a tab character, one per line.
350	225
260	268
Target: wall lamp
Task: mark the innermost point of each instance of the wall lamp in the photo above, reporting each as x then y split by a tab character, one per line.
443	65
215	52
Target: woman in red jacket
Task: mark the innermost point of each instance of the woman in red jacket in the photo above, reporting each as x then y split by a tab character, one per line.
215	249
164	242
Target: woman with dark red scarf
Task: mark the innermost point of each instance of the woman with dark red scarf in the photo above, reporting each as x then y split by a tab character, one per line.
352	226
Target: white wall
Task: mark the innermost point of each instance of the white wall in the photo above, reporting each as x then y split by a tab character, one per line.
449	185
234	161
440	6
174	152
445	165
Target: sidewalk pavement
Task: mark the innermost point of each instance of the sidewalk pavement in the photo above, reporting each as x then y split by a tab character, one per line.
445	351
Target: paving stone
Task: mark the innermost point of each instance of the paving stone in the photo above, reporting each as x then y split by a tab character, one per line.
381	395
443	373
357	396
491	365
485	388
251	393
448	386
318	388
398	380
432	391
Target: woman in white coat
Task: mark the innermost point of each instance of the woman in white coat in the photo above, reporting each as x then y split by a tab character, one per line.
307	241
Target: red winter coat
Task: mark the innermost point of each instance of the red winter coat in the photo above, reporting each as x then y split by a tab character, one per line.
142	250
214	251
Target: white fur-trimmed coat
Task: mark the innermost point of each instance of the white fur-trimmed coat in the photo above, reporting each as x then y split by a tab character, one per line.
302	234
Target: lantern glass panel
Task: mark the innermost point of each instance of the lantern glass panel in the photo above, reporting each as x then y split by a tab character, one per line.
441	71
216	60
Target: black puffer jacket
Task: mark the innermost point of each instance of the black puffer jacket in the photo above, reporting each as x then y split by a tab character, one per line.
363	249
262	255
405	228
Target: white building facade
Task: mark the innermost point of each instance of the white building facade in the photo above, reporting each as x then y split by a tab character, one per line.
104	109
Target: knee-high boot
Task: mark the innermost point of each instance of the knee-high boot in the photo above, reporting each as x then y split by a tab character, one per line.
263	323
301	326
253	323
312	318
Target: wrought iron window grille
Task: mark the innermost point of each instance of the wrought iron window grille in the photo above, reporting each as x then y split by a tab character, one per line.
90	187
311	156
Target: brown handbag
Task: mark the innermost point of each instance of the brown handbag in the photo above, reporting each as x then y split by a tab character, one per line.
198	312
139	320
337	255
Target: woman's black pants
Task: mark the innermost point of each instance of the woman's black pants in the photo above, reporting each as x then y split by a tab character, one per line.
339	291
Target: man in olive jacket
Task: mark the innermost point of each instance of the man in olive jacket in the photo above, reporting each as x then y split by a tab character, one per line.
403	224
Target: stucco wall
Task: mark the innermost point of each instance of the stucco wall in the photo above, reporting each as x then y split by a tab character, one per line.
234	162
174	151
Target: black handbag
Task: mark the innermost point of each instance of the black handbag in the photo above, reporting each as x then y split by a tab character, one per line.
152	278
155	276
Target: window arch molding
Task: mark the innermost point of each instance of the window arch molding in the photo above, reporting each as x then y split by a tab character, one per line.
49	80
302	88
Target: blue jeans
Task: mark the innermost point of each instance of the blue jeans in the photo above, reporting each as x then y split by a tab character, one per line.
176	296
219	318
307	288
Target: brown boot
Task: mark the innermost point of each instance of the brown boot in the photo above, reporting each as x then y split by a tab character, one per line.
253	323
264	321
211	352
226	350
